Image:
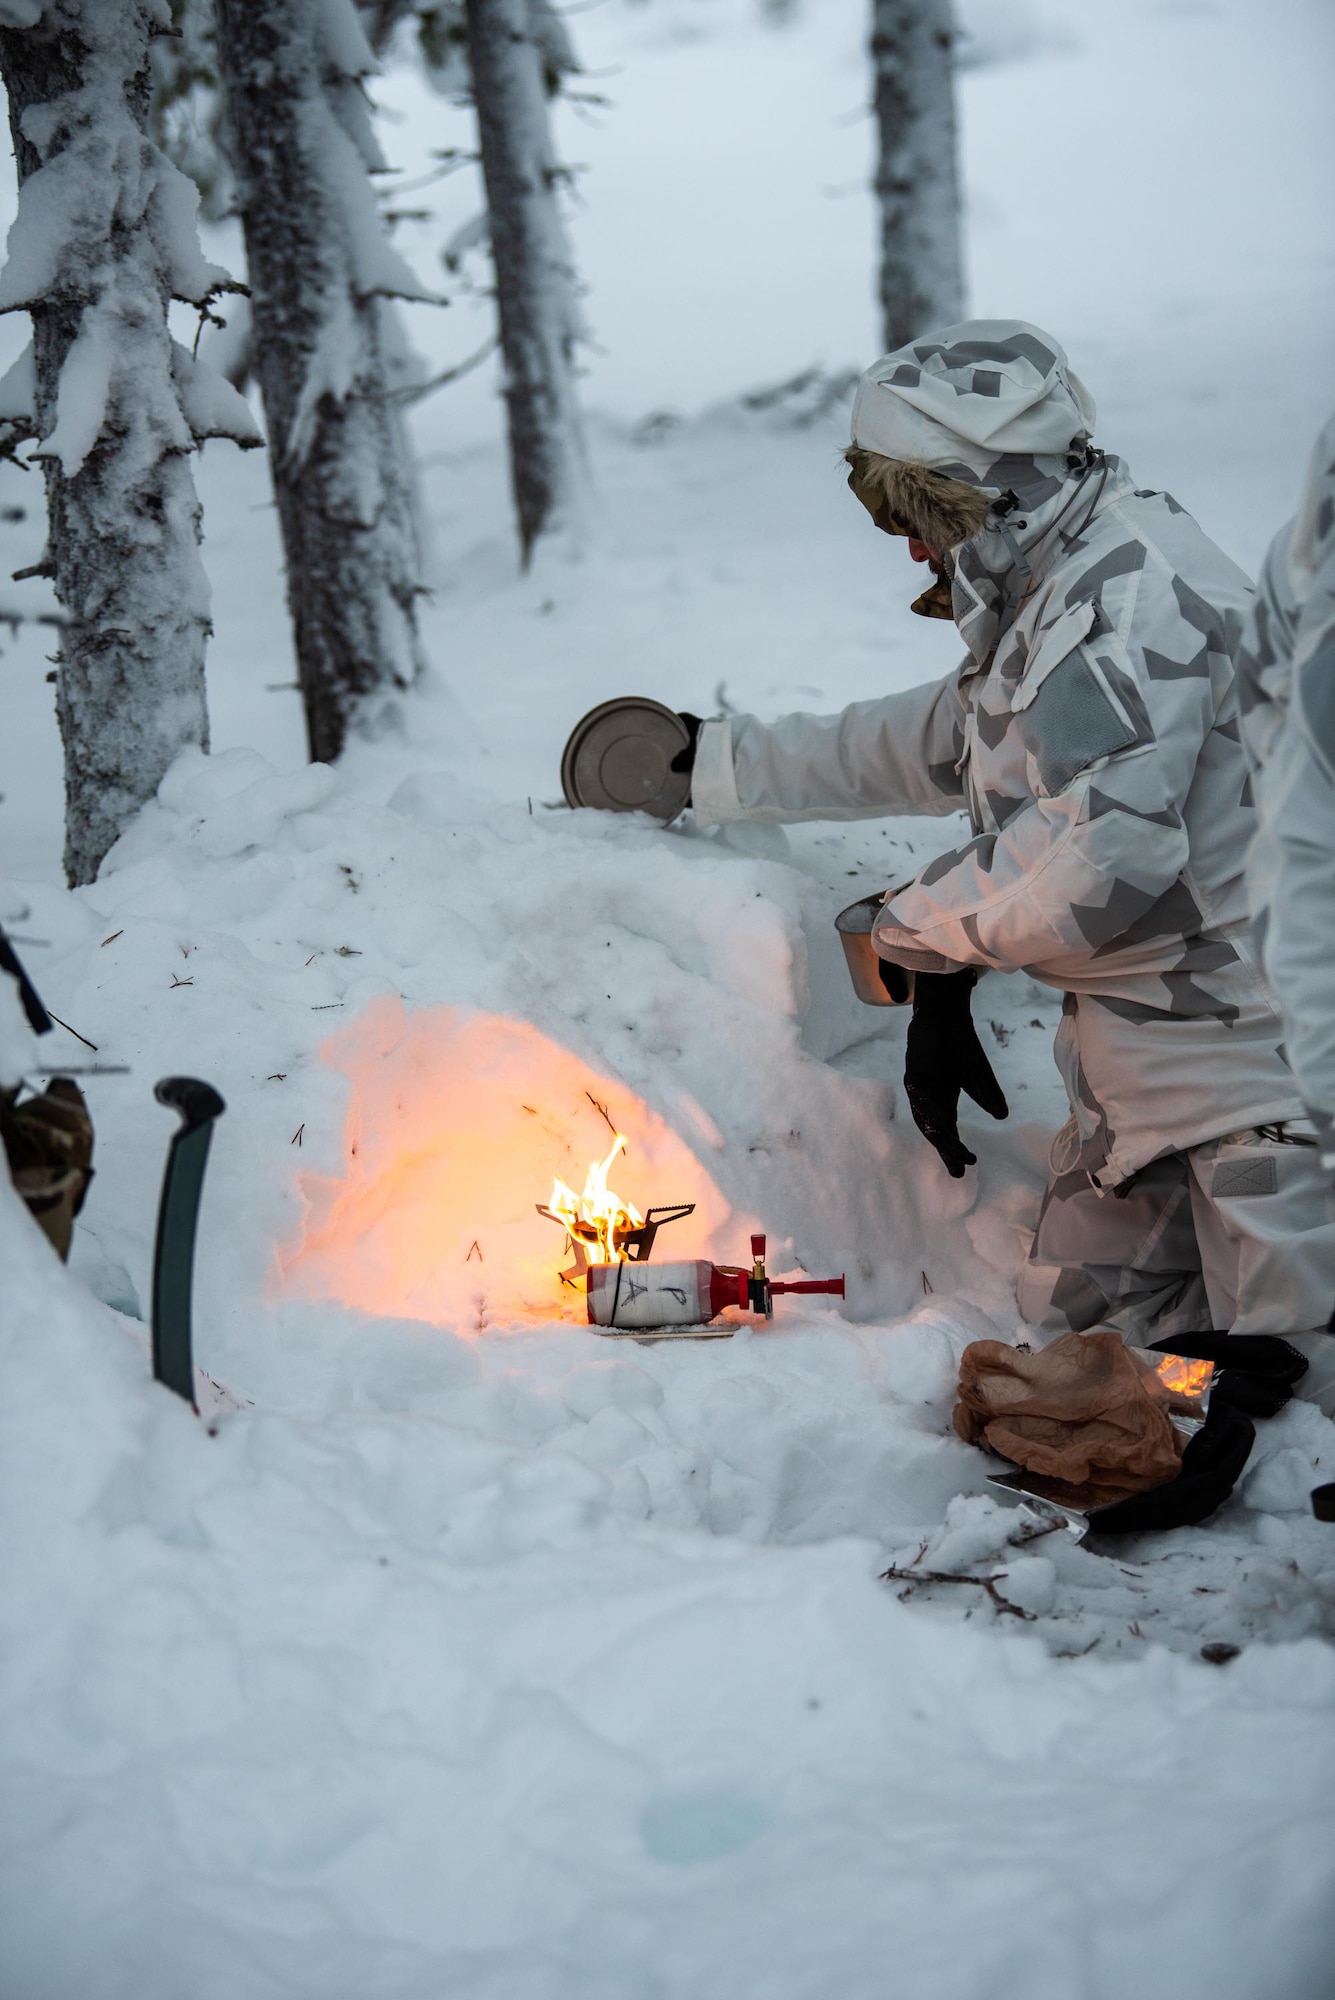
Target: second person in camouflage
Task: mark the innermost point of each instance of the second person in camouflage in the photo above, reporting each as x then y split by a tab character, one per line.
1286	681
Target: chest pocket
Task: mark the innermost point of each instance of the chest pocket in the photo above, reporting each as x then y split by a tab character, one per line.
1068	712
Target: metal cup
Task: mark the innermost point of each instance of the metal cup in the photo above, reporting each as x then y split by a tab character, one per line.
865	966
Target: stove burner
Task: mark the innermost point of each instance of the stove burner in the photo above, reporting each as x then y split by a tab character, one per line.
637	1244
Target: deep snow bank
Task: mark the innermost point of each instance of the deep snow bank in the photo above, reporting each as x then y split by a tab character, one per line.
473	1653
381	1704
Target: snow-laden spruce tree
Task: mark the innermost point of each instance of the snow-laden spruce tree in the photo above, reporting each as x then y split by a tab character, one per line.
321	271
185	115
513	70
103	240
917	172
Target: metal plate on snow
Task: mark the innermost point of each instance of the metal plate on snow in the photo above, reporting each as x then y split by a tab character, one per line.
1046	1496
646	1335
619	755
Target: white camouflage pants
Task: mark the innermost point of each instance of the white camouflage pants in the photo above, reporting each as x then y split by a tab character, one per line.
1237	1235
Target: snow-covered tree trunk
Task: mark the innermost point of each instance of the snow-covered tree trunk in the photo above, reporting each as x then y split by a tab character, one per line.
917	174
103	239
535	287
321	271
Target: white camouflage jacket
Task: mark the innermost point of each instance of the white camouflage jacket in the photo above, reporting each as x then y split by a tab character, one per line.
1092	735
1286	680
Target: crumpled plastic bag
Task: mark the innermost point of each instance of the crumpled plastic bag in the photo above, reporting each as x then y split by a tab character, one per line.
1086	1410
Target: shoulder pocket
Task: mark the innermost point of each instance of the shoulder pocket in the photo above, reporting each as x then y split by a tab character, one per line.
1082	710
1050	648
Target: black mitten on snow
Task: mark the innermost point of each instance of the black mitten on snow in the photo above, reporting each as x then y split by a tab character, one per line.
1255	1374
1211	1467
685	758
943	1057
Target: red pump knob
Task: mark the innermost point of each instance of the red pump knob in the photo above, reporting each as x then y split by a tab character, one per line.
758	1247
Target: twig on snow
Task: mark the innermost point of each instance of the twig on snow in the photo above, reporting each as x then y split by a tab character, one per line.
987	1583
73	1031
603	1112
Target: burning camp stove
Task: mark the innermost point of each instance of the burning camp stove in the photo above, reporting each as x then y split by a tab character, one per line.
633	1241
625	1299
663	1301
625	1294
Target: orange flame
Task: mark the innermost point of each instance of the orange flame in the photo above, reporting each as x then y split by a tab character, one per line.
595	1216
1182	1377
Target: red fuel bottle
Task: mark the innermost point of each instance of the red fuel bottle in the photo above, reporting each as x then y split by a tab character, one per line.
635	1296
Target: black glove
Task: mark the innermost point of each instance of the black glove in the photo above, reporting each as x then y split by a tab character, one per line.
943	1057
1255	1374
685	759
1211	1467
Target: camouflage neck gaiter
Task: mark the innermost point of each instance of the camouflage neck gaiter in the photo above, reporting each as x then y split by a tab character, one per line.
938	600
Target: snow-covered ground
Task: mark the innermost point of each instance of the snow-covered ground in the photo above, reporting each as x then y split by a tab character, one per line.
460	1652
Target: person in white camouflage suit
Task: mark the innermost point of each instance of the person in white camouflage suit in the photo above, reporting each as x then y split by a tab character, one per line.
1286	683
1092	734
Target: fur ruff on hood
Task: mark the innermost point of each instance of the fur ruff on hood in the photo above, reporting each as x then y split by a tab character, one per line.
939	511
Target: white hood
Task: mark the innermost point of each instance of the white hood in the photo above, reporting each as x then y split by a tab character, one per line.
966	396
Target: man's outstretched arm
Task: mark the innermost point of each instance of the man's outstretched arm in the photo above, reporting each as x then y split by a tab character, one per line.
896	755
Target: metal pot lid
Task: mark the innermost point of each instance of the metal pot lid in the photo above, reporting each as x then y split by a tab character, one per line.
619	756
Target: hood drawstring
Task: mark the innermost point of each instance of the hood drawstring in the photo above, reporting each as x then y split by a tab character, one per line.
1093	458
1082	463
1007	504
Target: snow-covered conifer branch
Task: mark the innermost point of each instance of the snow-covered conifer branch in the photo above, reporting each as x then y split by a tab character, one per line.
186	108
442	40
103	240
512	57
540	321
322	271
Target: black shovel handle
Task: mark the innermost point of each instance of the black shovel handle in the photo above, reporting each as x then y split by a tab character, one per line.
174	1250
